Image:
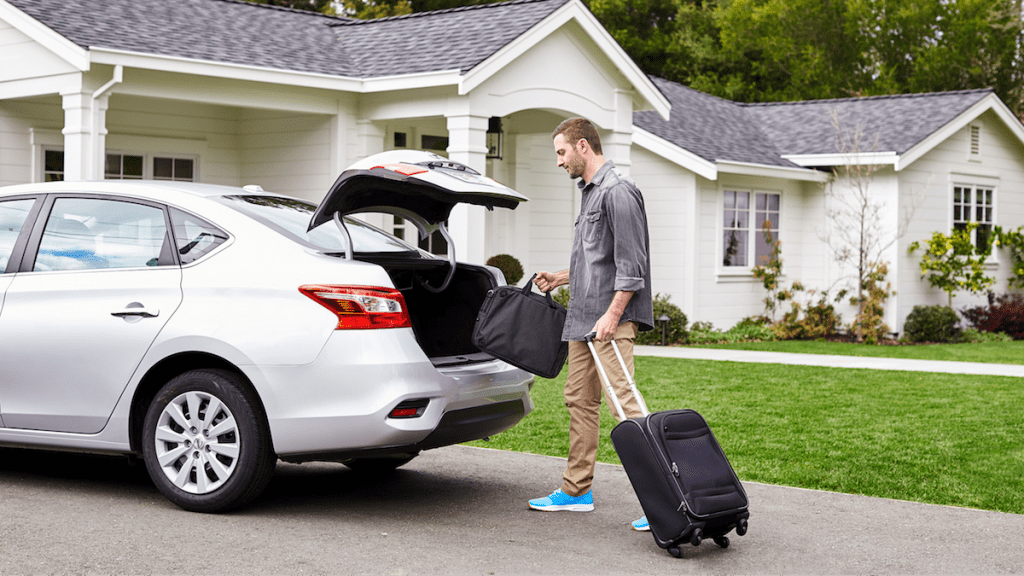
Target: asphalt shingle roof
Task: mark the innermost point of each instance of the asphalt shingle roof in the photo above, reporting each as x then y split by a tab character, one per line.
237	32
721	130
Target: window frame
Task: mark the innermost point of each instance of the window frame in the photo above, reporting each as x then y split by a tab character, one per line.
973	184
168	253
746	269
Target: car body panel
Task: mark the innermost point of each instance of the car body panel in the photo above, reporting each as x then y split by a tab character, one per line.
74	357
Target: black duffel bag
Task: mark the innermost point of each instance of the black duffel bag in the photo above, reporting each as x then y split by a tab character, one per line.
523	329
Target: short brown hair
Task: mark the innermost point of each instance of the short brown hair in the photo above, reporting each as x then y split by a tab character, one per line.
576	129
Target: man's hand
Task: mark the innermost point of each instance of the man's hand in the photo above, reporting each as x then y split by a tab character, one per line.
609	322
547	281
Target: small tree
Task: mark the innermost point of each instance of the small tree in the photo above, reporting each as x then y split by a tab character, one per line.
769	275
857	234
952	263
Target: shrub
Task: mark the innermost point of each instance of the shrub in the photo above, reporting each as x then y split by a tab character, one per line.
562	296
931	324
1005	313
819	320
975	336
508	265
675	328
752	329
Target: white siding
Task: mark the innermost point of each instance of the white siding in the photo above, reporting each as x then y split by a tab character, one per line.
286	153
17	120
930	179
21	57
552	208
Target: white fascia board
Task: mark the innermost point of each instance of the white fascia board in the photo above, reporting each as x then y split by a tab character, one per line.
42	86
412	81
675	154
768	171
224	70
990	102
837	159
573	10
45	36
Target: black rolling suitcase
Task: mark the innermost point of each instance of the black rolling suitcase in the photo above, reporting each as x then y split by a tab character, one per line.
685	484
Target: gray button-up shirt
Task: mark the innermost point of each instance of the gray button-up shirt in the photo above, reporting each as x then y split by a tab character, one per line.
610	253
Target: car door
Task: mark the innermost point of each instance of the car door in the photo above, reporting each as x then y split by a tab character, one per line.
98	281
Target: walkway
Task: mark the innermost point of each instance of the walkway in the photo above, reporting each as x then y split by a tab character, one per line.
832	361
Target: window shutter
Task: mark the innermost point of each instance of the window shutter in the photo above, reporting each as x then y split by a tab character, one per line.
975	141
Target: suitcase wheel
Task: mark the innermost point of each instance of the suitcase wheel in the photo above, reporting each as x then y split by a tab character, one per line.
697	537
722	541
675	552
741	527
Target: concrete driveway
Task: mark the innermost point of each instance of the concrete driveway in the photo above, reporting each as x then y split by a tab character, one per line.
459	510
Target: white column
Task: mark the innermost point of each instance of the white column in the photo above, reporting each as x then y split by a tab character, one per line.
371	141
467	144
78	158
99	138
616	143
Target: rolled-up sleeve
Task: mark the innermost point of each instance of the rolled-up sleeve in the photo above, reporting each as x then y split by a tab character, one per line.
628	223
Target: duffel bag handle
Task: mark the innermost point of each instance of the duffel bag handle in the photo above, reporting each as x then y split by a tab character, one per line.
529	288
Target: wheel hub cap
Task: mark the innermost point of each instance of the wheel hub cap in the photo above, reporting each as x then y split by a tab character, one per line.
197	442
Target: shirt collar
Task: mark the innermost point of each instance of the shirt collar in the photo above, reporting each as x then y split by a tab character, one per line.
598	178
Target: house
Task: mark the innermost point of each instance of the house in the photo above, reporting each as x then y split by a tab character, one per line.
228	92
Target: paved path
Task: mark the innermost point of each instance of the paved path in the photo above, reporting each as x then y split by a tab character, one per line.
832	361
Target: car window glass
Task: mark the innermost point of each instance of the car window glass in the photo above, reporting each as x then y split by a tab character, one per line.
12	218
291	217
85	233
194	236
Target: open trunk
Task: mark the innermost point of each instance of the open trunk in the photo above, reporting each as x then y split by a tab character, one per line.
442	321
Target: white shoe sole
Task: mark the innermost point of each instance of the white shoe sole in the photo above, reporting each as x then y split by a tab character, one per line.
565	508
644	529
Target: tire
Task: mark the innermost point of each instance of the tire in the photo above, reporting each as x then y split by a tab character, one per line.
379	465
206	443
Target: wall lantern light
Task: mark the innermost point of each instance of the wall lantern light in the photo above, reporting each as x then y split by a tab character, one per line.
494	138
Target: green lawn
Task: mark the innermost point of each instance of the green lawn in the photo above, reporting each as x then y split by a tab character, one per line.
937	438
991	352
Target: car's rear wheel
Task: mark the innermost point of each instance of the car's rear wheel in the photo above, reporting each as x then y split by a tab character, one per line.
205	442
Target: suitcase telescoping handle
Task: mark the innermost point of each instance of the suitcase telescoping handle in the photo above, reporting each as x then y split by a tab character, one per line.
607	381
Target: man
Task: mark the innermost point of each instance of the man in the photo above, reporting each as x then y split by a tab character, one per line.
609	279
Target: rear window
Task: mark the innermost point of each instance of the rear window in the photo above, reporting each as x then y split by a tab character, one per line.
291	217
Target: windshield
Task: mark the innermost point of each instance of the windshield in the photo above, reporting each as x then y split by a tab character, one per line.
291	216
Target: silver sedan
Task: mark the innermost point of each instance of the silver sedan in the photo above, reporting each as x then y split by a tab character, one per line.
212	330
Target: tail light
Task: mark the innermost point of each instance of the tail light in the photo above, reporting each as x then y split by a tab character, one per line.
361	307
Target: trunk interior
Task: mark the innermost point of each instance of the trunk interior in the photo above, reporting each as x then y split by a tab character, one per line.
443	322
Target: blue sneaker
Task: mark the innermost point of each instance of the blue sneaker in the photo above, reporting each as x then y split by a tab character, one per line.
641	525
561	501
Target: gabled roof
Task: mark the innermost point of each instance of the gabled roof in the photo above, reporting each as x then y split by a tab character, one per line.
454	39
899	121
787	135
242	33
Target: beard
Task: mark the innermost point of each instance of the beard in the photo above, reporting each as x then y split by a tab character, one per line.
575	166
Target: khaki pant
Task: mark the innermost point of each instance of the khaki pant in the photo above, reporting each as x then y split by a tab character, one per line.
583	391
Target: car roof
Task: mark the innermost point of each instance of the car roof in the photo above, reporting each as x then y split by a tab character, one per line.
136	187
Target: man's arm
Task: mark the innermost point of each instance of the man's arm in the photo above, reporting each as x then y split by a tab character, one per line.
609	322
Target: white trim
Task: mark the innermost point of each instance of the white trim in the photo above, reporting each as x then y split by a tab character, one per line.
766	171
838	159
990	102
45	36
573	10
674	153
41	85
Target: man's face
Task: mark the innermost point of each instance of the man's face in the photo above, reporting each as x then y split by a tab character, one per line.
569	157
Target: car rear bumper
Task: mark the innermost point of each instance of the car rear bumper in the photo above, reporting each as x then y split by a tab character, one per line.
341	404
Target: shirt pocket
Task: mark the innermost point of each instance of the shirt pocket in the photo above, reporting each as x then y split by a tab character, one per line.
593	227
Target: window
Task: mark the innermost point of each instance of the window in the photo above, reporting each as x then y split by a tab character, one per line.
123	167
178	169
126	167
747	216
53	165
86	234
194	236
12	218
974	204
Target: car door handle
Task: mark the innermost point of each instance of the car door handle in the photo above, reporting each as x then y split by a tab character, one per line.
141	312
